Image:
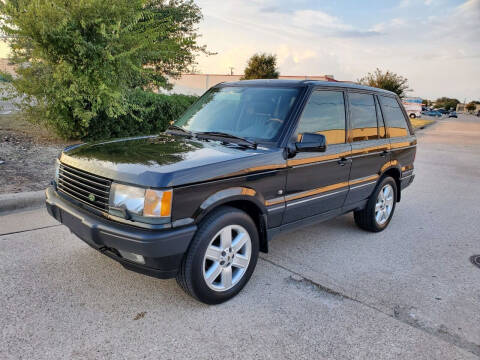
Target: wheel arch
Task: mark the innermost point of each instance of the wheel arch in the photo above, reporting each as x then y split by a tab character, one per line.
395	173
245	199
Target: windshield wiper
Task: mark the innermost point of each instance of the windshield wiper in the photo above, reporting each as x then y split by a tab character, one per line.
231	138
179	130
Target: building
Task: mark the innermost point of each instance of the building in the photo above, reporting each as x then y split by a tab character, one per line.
197	84
461	108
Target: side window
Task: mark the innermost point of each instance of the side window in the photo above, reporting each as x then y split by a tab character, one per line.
394	118
324	114
363	117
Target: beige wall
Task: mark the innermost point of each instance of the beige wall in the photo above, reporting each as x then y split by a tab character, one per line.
197	84
461	108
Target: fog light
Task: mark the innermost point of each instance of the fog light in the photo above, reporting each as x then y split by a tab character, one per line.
132	257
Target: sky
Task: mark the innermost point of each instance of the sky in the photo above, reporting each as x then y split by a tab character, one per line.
433	43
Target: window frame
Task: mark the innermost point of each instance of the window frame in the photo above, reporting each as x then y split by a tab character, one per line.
305	103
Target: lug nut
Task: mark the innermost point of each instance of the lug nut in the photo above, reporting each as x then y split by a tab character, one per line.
222	262
224	253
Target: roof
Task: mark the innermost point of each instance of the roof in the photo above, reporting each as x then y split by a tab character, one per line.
300	83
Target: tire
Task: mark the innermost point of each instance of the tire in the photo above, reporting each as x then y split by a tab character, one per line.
198	266
367	218
413	116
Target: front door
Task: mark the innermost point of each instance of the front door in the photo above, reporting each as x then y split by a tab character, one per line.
317	182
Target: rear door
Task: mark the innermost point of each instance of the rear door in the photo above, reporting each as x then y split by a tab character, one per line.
317	182
402	139
370	147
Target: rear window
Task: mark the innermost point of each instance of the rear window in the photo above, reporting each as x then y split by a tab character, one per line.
363	117
394	118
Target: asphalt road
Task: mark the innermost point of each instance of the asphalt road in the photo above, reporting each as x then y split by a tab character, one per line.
326	291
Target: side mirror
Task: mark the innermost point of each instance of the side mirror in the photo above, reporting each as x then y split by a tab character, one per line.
312	142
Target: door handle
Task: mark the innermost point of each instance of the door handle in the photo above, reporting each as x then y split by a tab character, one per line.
343	161
384	153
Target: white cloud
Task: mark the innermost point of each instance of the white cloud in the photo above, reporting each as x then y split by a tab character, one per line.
438	54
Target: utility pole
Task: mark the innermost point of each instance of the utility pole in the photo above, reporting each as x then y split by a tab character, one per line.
231	70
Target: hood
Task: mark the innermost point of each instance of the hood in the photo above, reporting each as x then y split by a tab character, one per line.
168	160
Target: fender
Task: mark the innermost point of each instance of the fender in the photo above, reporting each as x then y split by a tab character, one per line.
228	195
236	194
393	166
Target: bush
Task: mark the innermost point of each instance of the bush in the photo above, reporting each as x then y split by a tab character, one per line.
79	62
5	77
150	113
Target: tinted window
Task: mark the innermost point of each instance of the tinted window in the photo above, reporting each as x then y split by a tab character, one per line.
324	114
363	117
394	119
252	112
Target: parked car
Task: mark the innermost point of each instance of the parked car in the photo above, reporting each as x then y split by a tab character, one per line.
247	161
452	114
432	113
442	111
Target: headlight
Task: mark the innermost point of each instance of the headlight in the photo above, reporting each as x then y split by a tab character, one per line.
142	202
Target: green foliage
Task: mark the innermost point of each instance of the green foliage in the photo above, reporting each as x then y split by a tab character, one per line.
81	63
5	76
471	106
446	103
149	113
426	102
261	66
387	81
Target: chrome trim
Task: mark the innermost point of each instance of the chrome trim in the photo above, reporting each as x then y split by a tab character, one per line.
362	185
406	177
401	148
276	208
369	153
316	197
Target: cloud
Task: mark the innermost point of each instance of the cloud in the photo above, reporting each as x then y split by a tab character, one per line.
431	51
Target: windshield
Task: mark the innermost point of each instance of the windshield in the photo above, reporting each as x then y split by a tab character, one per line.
250	112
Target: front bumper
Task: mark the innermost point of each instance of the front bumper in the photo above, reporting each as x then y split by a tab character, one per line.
162	249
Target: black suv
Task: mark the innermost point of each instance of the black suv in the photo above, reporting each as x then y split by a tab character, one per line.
247	161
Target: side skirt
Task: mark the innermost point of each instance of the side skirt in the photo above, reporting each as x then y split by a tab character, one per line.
271	233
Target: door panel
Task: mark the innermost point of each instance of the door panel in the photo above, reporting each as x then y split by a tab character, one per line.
402	140
368	160
317	182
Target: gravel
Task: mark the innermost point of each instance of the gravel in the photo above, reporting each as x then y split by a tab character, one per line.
25	165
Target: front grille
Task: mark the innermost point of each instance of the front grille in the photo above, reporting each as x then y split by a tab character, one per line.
90	189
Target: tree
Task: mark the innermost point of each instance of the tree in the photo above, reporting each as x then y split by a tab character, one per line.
78	61
387	81
426	102
261	66
471	106
446	103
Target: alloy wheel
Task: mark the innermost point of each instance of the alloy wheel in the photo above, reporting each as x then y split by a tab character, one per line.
384	204
227	257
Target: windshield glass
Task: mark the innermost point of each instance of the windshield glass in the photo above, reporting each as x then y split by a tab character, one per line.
254	113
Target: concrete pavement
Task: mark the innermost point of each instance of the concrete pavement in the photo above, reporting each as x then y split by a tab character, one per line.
326	291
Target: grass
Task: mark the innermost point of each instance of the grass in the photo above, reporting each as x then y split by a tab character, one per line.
419	123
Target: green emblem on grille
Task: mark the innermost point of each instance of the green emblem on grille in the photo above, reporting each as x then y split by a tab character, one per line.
91	197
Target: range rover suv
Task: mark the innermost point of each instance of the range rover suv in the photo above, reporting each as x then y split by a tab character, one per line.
248	160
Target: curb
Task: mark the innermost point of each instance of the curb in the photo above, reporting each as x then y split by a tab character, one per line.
20	201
